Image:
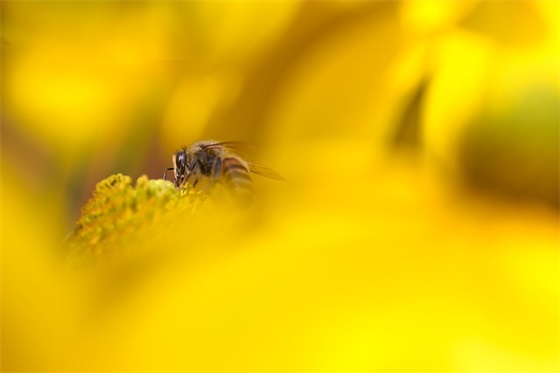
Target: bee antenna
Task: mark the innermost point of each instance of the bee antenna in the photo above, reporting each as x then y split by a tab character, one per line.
165	172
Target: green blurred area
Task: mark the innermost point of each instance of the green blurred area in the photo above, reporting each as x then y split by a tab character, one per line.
420	217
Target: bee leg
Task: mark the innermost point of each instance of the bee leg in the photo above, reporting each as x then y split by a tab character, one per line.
192	165
189	172
213	175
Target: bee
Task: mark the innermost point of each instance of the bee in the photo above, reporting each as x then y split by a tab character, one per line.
209	162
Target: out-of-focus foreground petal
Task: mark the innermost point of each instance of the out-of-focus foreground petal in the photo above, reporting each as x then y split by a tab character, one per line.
417	229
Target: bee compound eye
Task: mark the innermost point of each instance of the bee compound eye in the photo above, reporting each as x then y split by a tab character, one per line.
181	162
180	158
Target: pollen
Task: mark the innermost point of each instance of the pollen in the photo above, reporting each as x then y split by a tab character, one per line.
118	210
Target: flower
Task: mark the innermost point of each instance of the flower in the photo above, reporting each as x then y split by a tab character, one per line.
417	229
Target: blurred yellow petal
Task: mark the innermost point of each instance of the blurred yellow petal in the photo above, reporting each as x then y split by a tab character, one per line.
523	22
426	18
37	303
227	30
456	93
191	107
362	260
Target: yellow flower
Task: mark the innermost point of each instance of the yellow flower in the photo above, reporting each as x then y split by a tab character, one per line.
417	229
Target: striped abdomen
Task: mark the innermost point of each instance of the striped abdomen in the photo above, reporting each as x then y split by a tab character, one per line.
236	176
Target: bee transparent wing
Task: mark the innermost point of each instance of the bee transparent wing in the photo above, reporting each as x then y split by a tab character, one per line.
265	171
241	148
246	151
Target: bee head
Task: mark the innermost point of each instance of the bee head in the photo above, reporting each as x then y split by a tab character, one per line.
180	162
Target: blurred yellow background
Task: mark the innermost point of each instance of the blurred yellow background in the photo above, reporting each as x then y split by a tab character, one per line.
417	229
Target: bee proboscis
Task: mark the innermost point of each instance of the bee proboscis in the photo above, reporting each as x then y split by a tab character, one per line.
224	162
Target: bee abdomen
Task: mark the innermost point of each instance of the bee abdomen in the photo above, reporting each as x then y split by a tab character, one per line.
237	178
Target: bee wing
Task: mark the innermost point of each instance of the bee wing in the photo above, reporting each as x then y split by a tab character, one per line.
246	150
265	171
241	148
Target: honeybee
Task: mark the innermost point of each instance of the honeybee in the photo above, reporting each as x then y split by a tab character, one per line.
208	162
